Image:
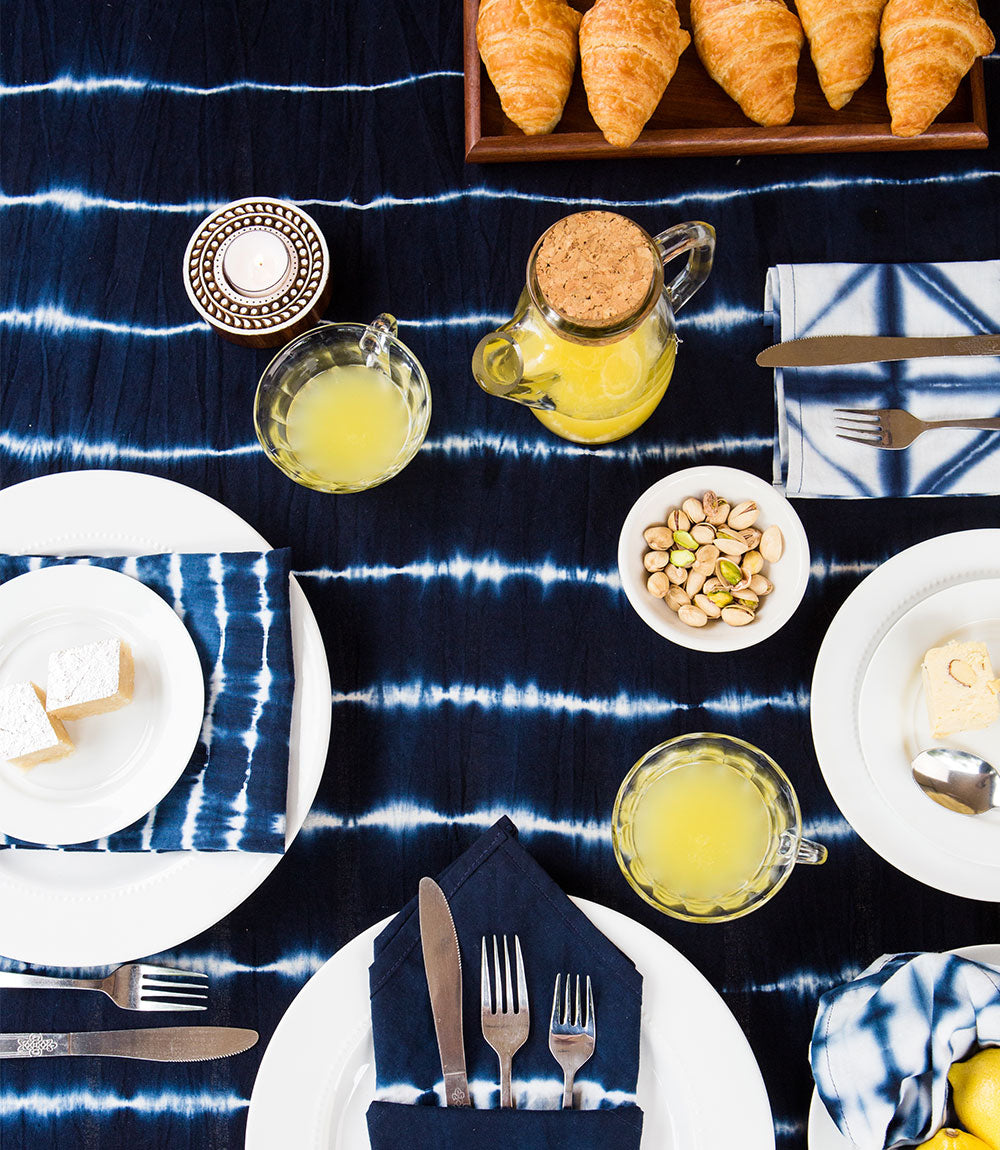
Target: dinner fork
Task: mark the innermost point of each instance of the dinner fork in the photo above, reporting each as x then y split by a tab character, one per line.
893	428
505	1019
135	986
571	1040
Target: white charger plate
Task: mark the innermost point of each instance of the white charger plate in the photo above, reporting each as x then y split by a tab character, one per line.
894	725
790	574
823	1131
314	1093
93	909
851	642
125	761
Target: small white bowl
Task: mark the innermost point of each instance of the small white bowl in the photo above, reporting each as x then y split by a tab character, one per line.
789	574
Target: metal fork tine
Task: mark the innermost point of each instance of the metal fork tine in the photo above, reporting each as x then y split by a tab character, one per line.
497	985
872	413
556	1013
158	984
507	982
870	441
565	1017
522	982
145	970
485	998
591	1019
157	1004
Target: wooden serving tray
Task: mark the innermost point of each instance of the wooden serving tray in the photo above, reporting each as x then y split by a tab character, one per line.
697	118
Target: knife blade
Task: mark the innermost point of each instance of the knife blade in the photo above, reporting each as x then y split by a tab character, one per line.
159	1044
828	350
443	966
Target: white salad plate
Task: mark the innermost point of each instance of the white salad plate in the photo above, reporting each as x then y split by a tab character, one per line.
96	909
790	574
859	685
823	1131
315	1095
125	761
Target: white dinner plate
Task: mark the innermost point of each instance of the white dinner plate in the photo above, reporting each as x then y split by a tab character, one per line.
823	1132
894	724
94	909
864	621
315	1083
125	761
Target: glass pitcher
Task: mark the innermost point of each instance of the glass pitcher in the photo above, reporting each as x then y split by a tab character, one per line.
591	346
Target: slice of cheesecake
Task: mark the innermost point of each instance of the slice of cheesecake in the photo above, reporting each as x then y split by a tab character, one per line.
28	735
961	690
90	679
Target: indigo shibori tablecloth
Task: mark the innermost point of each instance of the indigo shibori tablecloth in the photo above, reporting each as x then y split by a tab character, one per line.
483	657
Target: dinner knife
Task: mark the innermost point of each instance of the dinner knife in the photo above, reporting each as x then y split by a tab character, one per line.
443	965
826	350
159	1044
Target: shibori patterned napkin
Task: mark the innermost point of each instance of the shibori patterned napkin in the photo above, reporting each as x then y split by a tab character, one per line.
232	794
882	1044
496	887
886	299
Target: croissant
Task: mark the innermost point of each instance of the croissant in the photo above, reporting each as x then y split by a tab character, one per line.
928	46
751	48
628	54
842	37
529	48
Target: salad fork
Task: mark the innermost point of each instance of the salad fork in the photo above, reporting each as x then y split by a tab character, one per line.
893	428
506	1019
571	1039
134	986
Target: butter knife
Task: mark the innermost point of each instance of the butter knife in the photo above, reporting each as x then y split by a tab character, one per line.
443	965
158	1044
826	350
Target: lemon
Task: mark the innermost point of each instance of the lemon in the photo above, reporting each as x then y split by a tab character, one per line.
951	1139
975	1085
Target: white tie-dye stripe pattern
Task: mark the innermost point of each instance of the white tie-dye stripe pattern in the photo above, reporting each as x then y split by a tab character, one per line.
529	1094
418	695
129	85
69	1101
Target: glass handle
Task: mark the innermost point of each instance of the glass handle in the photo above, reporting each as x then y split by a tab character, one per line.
375	343
810	852
698	240
498	367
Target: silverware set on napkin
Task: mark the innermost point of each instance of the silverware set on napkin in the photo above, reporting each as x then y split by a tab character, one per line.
505	1014
134	986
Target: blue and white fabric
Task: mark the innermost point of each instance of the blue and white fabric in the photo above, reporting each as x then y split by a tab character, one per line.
495	887
235	606
883	1043
915	299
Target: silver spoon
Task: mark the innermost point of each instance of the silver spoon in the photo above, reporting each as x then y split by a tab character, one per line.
958	780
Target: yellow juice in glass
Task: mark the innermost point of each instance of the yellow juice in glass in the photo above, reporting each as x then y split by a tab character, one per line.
611	388
347	424
702	830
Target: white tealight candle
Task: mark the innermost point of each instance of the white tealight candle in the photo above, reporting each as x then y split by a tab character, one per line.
255	261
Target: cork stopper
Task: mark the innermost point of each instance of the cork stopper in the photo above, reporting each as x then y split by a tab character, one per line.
595	268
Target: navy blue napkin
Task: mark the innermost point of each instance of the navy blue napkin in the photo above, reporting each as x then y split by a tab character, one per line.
232	794
495	887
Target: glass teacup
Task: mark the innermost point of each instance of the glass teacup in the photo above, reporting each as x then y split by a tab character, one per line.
343	407
707	828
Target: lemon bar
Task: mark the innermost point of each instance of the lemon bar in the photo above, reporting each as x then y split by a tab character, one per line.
962	693
90	679
28	735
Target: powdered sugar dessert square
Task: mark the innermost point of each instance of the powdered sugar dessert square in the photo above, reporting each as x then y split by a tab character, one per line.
28	735
90	679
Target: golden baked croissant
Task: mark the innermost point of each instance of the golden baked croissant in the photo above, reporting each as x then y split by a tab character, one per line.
928	46
751	48
529	49
842	37
628	54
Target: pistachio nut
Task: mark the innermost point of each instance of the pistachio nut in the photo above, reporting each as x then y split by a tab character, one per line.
736	616
718	512
751	536
678	521
703	532
761	584
655	560
746	598
695	581
692	616
714	583
752	562
681	557
686	540
743	515
721	599
728	572
693	509
712	609
730	546
658	537
676	598
658	584
772	544
675	574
